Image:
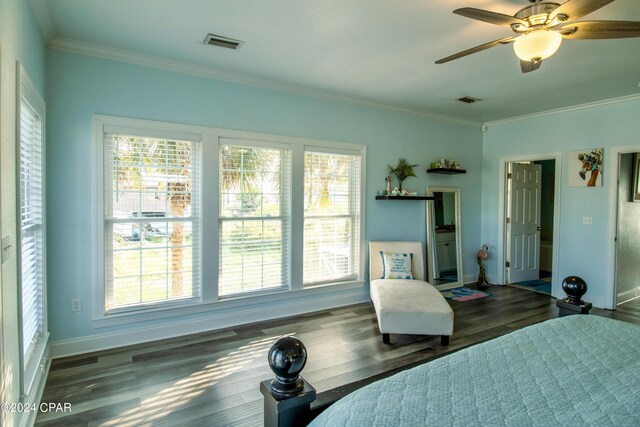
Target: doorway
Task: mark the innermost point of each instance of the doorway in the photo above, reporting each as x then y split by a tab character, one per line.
628	229
529	226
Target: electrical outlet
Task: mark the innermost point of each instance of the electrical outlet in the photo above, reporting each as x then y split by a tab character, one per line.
587	220
76	304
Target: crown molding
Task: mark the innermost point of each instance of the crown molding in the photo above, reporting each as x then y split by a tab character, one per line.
137	58
588	105
43	17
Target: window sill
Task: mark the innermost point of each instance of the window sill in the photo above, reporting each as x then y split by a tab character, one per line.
226	303
36	364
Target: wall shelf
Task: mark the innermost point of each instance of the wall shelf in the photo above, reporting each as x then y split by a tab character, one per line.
446	171
404	198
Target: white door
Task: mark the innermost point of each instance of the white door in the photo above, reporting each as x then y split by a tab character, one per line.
524	215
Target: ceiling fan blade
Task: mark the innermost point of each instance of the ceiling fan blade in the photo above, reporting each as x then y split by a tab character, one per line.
528	66
490	17
480	48
574	9
590	30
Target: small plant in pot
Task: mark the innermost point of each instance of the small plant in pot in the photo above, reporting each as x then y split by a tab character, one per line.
402	171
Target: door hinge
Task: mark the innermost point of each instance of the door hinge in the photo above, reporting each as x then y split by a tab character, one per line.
508	220
509	175
506	264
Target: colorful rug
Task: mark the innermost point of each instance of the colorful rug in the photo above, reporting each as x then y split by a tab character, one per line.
537	285
463	294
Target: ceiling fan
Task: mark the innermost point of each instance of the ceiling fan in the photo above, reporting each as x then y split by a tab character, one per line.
541	26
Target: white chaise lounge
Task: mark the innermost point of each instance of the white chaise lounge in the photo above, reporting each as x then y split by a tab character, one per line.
407	306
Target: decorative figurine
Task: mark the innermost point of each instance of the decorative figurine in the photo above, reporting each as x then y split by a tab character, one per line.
388	187
481	256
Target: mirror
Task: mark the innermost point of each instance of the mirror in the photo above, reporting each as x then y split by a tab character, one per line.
444	245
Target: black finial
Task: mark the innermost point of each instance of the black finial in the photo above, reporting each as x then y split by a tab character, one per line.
575	287
287	358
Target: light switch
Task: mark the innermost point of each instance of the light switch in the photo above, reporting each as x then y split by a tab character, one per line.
587	220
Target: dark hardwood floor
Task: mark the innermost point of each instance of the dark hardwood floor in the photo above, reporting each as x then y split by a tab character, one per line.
212	379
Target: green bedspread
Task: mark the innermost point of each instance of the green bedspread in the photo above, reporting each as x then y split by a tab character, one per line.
571	371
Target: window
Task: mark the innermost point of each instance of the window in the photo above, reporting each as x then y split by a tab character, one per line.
32	267
255	217
152	219
193	218
331	216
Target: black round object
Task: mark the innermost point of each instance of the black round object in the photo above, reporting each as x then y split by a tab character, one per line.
287	358
574	287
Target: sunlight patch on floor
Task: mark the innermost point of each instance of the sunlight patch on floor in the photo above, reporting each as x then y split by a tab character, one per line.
181	392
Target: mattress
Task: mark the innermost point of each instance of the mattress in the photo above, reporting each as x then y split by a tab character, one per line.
570	371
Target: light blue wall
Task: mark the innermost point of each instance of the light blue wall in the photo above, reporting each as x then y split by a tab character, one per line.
584	250
31	46
21	40
79	86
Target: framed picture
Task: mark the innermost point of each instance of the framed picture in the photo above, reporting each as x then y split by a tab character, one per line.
585	167
636	178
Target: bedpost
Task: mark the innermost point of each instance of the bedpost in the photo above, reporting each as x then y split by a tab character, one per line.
287	397
575	287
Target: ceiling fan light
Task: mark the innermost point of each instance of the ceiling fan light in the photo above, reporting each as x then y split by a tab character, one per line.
537	45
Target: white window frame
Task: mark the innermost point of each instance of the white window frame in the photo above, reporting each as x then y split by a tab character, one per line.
355	214
36	363
138	128
284	217
210	300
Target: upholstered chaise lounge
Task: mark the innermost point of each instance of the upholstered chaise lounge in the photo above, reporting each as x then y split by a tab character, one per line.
406	306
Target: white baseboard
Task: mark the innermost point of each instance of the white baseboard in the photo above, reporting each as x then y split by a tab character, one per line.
217	321
470	279
447	286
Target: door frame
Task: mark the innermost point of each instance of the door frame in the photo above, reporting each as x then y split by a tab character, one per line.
502	215
612	176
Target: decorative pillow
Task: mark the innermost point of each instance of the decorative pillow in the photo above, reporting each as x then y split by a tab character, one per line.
396	266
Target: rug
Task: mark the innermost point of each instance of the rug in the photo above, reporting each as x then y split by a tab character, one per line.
463	294
537	285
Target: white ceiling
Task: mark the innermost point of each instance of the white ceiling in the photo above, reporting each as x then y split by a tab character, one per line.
378	51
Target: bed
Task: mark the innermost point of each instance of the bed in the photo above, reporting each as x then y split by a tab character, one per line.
570	371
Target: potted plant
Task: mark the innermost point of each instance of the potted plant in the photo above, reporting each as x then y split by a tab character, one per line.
402	171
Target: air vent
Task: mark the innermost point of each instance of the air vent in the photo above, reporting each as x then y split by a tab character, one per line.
220	41
469	99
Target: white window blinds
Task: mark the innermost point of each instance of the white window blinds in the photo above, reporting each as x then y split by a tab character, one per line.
32	263
331	217
152	220
254	218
